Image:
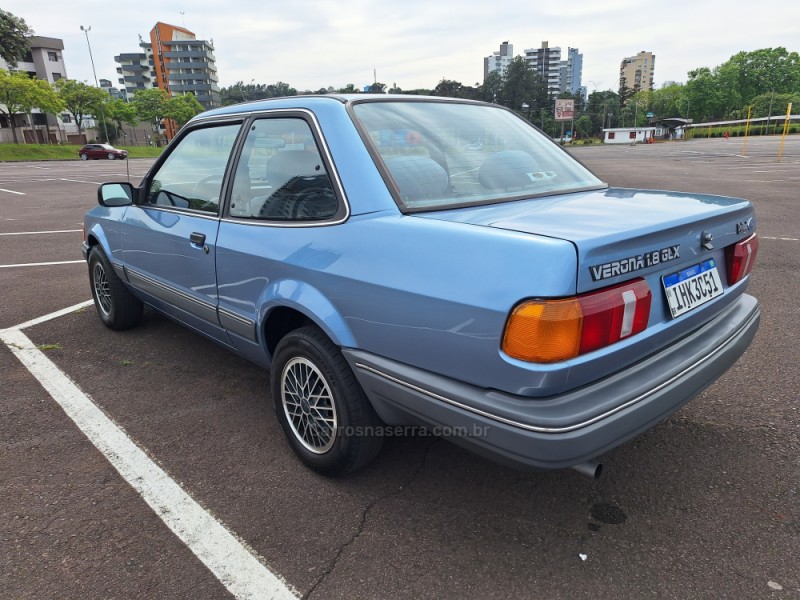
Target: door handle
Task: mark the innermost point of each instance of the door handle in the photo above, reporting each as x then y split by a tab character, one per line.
198	239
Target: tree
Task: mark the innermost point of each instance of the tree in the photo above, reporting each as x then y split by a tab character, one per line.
19	93
80	99
489	90
182	108
584	126
14	38
522	85
348	89
767	70
121	112
150	105
604	109
448	88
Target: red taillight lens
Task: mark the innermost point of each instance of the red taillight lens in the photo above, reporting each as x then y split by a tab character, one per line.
548	331
741	258
613	314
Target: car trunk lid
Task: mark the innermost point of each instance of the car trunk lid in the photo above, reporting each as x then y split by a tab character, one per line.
620	234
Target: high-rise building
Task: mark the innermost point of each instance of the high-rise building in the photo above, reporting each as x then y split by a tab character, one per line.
571	72
546	61
184	64
498	62
137	69
636	72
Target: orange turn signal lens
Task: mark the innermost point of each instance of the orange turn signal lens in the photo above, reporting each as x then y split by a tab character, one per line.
544	331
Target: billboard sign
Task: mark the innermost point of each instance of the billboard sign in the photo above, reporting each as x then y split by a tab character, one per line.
565	109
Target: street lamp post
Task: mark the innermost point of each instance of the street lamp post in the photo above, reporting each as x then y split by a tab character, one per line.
86	30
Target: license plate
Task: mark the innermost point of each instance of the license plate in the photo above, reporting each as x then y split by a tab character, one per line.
692	287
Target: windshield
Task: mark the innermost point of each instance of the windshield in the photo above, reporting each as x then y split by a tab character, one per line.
448	154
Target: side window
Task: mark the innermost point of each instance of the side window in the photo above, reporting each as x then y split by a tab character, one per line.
281	175
191	176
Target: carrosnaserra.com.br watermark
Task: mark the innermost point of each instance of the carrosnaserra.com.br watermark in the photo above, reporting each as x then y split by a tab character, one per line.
414	431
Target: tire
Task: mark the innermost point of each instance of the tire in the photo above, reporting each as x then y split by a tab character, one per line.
84	157
337	430
116	305
111	156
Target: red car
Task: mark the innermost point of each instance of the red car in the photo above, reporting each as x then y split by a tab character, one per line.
96	151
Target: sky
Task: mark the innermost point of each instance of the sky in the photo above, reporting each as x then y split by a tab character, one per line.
311	44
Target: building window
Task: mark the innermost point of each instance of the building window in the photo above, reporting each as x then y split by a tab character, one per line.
611	135
56	76
52	56
632	135
66	118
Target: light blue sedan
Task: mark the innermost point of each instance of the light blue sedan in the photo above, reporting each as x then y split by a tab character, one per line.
402	262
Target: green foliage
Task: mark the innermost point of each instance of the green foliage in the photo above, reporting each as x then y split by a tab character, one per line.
14	38
449	88
150	104
522	86
19	93
241	92
80	99
182	108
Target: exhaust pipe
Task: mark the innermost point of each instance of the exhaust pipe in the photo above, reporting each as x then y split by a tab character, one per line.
589	469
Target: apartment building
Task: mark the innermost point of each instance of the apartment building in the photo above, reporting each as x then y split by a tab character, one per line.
637	72
184	64
498	61
546	61
44	61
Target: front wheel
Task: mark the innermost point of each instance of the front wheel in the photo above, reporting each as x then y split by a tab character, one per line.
84	157
324	413
116	305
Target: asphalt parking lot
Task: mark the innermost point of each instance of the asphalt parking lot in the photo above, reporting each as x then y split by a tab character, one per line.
705	505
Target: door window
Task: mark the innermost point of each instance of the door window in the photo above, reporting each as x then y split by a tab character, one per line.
281	175
191	176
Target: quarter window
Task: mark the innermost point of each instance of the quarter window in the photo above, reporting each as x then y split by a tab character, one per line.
191	176
281	175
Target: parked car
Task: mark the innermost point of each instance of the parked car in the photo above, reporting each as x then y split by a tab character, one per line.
391	273
97	151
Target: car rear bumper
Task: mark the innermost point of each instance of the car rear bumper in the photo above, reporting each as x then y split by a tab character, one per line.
560	431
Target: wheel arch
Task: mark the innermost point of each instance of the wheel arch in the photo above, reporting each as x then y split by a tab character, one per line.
289	305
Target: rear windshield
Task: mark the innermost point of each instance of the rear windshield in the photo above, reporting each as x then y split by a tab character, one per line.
447	154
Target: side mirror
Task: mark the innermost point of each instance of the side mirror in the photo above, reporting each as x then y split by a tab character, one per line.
115	194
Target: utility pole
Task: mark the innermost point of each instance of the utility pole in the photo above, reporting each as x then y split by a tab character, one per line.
86	30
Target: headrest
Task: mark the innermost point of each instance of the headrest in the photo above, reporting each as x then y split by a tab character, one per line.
508	169
293	163
418	176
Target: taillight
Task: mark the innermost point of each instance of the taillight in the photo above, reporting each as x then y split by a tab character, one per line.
741	258
546	331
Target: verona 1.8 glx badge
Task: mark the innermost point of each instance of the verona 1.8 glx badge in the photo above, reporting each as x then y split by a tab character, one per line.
630	264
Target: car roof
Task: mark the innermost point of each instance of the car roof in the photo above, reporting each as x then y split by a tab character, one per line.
309	101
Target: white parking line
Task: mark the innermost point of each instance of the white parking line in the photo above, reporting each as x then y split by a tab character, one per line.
42	232
43	264
80	181
12	192
236	566
782	239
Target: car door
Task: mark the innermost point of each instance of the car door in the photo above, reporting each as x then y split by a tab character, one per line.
170	235
284	195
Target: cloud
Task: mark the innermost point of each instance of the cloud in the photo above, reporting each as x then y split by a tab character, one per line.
415	43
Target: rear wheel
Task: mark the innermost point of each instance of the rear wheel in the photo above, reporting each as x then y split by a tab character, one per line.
111	156
323	411
117	307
